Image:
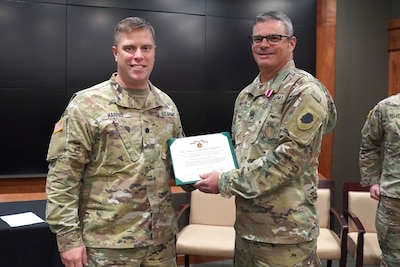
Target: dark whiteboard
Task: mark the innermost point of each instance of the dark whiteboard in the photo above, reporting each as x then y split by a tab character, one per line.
51	49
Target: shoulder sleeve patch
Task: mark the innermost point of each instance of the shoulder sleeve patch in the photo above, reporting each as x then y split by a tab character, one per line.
306	118
57	145
59	126
305	121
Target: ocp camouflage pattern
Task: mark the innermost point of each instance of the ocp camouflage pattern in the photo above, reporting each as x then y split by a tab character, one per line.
277	142
379	157
109	171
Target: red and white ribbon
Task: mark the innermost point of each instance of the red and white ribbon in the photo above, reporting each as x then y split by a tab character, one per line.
268	93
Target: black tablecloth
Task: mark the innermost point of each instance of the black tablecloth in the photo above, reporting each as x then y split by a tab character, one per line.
27	246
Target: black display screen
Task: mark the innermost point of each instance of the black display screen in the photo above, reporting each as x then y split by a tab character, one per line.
51	49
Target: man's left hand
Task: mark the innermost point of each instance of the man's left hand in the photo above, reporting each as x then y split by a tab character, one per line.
208	183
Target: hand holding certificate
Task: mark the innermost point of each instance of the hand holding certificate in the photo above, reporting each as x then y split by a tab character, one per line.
195	155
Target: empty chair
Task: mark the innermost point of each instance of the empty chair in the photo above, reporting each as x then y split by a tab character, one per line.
359	210
209	231
331	244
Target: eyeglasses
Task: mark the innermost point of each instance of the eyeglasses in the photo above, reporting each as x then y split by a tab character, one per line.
272	39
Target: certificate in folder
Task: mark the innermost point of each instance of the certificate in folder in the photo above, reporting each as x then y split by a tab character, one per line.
195	155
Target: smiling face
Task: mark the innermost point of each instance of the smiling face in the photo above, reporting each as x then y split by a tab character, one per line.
135	57
271	58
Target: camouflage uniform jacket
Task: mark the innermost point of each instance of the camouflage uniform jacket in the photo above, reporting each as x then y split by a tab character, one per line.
380	146
277	130
108	179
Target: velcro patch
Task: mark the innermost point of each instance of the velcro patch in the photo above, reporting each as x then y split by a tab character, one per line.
305	120
59	126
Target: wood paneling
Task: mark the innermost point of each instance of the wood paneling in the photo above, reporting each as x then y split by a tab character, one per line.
393	27
326	69
20	189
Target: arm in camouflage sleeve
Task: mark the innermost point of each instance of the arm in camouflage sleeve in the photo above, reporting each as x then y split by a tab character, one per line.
67	157
296	154
370	148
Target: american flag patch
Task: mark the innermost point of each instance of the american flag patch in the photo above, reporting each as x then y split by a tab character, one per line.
59	126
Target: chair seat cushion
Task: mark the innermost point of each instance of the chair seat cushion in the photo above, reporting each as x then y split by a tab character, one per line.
206	240
372	251
328	245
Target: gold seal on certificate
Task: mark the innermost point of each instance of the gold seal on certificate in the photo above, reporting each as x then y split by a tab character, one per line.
195	155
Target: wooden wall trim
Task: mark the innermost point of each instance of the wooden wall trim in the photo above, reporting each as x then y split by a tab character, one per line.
21	189
326	69
393	27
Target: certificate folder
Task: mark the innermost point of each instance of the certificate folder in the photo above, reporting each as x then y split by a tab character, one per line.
195	155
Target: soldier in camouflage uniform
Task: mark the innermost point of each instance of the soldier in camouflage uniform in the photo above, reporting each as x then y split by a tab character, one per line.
380	169
108	196
278	124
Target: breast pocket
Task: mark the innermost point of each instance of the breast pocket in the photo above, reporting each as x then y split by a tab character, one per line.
266	132
120	138
131	136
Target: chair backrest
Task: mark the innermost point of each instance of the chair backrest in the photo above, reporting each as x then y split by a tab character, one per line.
357	200
325	199
211	209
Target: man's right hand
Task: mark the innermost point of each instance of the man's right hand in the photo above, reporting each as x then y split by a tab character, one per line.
375	192
74	257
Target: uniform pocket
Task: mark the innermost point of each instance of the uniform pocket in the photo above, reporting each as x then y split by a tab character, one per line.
131	136
387	222
266	134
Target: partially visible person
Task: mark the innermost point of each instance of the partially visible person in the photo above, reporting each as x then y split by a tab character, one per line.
108	195
380	168
278	124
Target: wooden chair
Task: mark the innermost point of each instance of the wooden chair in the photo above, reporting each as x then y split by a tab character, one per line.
359	210
209	230
331	243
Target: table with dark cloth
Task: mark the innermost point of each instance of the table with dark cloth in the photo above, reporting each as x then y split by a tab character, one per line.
27	246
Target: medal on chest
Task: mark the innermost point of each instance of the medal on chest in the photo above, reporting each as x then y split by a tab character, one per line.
269	92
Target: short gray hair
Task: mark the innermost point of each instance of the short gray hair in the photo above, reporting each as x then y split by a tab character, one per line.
276	15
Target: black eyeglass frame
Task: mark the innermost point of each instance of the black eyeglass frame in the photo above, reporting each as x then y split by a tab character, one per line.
269	38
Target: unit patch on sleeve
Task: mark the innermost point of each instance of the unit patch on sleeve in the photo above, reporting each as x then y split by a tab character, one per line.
305	120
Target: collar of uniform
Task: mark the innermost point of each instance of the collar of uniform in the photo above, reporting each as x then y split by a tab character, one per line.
124	99
274	83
